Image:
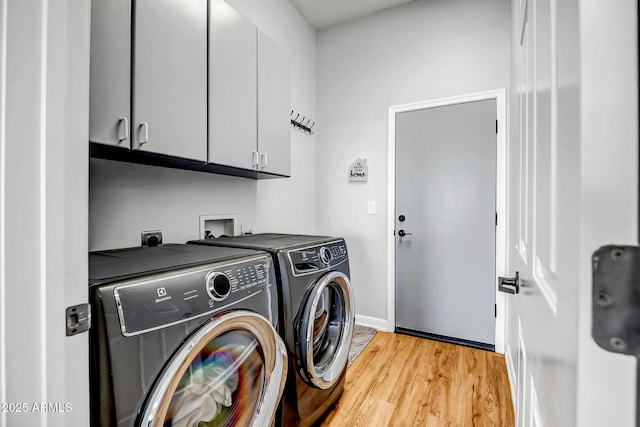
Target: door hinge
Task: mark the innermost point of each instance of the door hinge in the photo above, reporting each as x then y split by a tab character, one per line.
496	126
495	312
616	299
78	319
496	218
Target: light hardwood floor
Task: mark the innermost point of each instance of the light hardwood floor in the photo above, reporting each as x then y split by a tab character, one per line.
400	380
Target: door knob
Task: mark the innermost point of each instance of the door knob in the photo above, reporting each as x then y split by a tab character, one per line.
403	233
509	285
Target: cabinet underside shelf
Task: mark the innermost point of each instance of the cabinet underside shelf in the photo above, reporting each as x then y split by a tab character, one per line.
109	152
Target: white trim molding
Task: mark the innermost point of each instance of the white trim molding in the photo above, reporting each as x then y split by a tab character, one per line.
511	374
372	322
3	192
500	95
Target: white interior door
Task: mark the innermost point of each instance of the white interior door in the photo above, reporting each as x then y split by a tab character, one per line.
573	188
544	226
446	222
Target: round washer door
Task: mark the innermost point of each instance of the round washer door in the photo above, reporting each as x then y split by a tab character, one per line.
326	328
230	372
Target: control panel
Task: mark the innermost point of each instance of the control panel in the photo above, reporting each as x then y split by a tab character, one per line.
149	303
317	258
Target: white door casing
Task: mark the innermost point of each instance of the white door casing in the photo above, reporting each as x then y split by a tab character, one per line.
501	191
609	192
44	86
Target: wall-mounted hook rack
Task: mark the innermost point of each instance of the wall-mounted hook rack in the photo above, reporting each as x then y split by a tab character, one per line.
301	124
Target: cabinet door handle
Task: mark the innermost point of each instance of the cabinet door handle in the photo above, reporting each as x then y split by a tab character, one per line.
264	160
144	128
123	129
254	158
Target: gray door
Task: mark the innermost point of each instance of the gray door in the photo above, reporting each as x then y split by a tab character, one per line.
445	190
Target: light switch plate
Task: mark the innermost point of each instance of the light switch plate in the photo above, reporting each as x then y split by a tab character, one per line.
371	207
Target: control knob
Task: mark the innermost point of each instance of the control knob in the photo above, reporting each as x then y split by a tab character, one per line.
325	255
218	286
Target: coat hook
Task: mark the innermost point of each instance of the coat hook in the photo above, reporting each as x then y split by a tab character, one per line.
302	124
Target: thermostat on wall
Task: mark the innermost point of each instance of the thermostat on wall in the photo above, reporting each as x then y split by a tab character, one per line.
359	171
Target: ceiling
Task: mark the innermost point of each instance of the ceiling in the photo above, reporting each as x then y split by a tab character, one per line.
323	13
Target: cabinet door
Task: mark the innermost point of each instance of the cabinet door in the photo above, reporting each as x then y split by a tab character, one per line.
274	107
170	78
110	87
232	87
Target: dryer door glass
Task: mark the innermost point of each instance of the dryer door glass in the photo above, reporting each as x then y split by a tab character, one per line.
326	328
223	376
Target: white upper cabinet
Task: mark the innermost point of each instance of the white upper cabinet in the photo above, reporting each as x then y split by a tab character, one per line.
168	62
110	87
274	107
170	78
190	84
249	95
232	87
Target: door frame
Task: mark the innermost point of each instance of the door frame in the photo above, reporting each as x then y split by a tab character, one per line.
500	96
44	206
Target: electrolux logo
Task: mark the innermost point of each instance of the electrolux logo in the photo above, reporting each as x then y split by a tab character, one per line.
162	295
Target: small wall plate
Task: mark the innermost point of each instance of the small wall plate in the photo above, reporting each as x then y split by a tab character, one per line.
151	238
212	226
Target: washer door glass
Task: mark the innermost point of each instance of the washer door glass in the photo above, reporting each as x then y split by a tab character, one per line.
231	372
326	328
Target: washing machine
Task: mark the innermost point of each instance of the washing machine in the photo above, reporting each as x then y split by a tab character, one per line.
317	315
184	336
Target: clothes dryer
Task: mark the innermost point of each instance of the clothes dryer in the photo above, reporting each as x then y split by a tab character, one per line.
184	335
317	315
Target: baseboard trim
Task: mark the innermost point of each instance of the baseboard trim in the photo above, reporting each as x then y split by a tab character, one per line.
372	322
511	373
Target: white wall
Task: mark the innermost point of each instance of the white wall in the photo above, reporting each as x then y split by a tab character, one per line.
420	51
289	205
126	199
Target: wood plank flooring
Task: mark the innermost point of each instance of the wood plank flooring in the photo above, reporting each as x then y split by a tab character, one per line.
400	380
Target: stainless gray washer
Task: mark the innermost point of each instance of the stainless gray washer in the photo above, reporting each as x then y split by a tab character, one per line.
183	334
317	315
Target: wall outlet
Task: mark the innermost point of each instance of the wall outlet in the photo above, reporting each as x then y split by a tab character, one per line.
151	238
